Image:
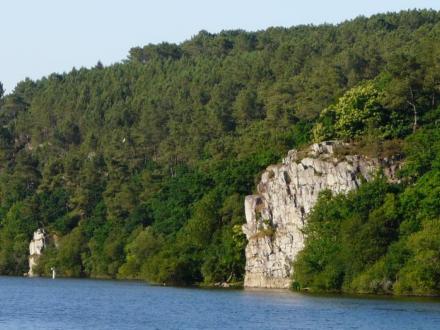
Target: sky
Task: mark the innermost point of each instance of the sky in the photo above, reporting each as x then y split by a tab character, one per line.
39	37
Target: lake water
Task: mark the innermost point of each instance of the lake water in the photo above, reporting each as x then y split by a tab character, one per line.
41	303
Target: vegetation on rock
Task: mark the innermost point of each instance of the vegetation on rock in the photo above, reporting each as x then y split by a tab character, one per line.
382	238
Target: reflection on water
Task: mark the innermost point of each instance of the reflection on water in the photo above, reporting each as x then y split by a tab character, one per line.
90	304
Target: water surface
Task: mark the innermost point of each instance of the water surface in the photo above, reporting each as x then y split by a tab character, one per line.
39	303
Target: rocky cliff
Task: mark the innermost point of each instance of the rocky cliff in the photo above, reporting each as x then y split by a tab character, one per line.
287	192
36	247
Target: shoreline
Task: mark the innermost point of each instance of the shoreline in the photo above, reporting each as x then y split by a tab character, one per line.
239	287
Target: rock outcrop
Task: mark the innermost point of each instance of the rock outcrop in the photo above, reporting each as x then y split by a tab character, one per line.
36	247
275	217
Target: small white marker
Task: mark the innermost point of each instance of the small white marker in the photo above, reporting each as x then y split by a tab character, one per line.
53	272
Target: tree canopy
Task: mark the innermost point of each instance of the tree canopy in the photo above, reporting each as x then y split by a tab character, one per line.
140	168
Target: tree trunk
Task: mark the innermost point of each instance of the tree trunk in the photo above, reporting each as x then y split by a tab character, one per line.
413	105
415	115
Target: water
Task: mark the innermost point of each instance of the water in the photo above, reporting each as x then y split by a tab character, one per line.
89	304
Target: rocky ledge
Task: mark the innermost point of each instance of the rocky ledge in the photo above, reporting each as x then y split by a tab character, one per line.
275	217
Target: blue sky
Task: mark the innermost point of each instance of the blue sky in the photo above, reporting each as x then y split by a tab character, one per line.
44	36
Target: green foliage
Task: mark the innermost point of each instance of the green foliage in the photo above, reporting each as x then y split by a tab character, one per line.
421	272
360	111
2	90
144	244
140	168
379	239
345	234
69	255
423	153
356	110
16	226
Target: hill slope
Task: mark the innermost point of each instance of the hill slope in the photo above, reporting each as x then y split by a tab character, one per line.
141	168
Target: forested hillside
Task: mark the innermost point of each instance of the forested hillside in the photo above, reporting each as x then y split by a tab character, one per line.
139	169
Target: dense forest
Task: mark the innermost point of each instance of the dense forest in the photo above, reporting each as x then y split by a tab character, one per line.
139	169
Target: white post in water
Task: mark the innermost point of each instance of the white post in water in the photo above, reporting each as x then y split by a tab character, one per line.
53	272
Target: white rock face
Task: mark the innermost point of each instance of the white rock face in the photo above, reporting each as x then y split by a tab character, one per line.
286	194
36	247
